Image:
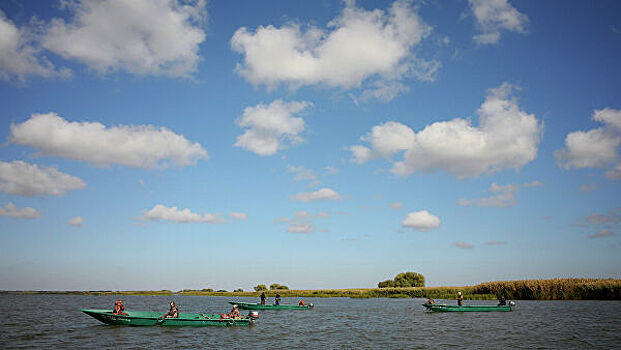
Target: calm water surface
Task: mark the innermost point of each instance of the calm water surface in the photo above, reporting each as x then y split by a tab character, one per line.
39	321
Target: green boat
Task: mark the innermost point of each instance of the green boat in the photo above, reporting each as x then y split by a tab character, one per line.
467	308
256	306
150	318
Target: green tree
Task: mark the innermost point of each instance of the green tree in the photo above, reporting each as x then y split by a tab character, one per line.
260	287
274	286
238	290
409	279
386	284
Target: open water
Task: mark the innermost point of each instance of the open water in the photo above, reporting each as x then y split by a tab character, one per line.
53	321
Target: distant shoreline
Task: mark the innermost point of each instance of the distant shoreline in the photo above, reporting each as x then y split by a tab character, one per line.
550	289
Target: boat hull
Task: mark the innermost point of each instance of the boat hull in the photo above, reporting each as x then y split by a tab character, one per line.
147	318
256	306
467	308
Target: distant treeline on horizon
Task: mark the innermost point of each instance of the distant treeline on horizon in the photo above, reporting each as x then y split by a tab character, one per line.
544	289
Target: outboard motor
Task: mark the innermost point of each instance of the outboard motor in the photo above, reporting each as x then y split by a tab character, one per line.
310	306
253	315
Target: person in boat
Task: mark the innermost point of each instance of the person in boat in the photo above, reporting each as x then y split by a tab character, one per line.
302	303
263	298
277	300
460	299
431	301
173	312
502	301
235	312
119	308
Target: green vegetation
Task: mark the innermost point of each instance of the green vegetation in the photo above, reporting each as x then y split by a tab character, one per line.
555	289
404	280
275	286
260	287
238	290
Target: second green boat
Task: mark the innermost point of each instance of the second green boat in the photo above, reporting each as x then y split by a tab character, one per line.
256	306
466	308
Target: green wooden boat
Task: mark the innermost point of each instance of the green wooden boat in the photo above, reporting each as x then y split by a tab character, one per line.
150	318
256	306
467	308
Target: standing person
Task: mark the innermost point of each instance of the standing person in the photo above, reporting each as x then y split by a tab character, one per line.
263	298
277	300
460	299
173	312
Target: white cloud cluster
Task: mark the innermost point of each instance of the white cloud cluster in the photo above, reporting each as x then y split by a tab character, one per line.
305	227
271	127
495	15
142	146
301	173
504	196
238	216
462	245
302	221
595	148
147	37
19	54
375	47
162	212
321	194
12	211
421	221
25	179
507	137
77	221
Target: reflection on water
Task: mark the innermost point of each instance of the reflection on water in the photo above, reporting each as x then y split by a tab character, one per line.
54	321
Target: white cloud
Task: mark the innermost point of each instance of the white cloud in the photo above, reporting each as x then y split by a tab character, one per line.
25	179
146	37
20	56
330	170
301	173
613	217
238	216
77	221
462	245
588	187
142	146
421	221
507	137
395	205
321	194
306	227
601	234
494	16
504	197
374	49
162	212
495	243
533	184
271	127
11	211
595	148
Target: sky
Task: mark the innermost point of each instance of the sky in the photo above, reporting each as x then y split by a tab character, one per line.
317	144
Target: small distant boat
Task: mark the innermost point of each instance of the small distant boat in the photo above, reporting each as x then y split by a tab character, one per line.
150	318
467	308
257	306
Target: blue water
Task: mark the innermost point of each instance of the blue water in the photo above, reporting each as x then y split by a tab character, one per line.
44	321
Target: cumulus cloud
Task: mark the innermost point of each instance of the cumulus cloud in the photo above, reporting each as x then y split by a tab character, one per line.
162	212
373	49
25	179
160	37
141	146
238	216
395	205
272	127
12	211
601	234
321	194
77	221
421	221
493	16
462	245
20	55
507	137
595	148
301	173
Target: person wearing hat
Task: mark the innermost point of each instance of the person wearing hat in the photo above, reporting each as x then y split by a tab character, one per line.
460	298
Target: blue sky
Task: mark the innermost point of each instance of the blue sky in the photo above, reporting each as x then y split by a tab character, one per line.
313	144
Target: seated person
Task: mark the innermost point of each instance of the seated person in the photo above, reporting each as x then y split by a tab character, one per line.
173	312
235	312
431	301
302	303
502	301
119	308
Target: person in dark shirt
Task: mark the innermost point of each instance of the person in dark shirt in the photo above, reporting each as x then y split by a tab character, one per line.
460	299
263	298
277	300
173	312
502	301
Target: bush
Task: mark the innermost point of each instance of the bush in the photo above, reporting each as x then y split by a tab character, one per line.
207	289
238	290
260	287
275	286
404	280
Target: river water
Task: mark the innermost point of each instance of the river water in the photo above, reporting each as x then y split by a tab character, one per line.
45	321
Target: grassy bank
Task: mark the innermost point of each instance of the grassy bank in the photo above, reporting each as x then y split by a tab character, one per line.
552	289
